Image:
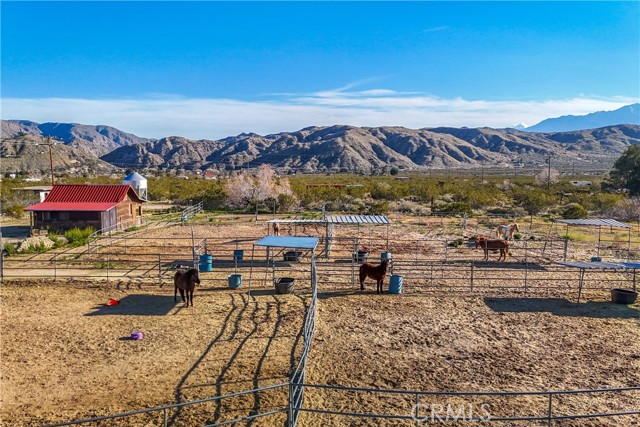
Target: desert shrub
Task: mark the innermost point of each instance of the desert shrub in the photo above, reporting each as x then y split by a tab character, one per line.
15	211
454	208
517	236
35	248
57	239
77	236
379	207
10	249
574	211
456	243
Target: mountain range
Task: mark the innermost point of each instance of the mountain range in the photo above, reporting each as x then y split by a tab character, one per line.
629	114
82	149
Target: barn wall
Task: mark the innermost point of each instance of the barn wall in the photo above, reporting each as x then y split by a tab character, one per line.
129	212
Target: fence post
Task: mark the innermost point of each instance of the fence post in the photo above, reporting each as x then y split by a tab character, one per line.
472	263
549	412
290	422
566	246
353	262
417	413
159	271
526	270
107	268
55	270
164	418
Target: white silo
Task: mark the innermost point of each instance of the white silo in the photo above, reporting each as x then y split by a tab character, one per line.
138	183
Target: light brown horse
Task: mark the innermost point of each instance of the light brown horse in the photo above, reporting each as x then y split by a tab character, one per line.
493	245
506	231
375	272
185	281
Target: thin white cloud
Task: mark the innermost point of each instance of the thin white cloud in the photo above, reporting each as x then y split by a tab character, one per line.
160	116
435	29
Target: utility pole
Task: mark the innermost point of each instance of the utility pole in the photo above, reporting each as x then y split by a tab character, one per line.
50	159
549	172
49	143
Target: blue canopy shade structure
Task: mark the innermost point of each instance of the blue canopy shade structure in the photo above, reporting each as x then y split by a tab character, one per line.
288	242
295	242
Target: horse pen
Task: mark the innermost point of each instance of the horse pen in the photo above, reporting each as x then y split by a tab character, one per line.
495	330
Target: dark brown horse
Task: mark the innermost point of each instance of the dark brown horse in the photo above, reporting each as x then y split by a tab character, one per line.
493	245
185	281
375	272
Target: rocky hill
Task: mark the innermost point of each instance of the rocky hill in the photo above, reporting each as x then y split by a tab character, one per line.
96	140
329	148
25	153
348	148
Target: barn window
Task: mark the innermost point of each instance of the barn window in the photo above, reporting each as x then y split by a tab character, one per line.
131	210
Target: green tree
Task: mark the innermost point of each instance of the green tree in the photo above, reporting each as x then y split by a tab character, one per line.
626	172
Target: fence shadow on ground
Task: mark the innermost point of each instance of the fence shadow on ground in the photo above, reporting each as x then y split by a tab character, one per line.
563	307
138	305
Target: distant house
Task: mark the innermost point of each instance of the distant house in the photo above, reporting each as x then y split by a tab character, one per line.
210	175
41	191
103	207
581	183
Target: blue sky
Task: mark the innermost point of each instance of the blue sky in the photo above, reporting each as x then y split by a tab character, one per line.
212	69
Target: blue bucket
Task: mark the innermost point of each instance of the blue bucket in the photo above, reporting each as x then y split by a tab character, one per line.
395	284
235	281
238	254
206	262
385	255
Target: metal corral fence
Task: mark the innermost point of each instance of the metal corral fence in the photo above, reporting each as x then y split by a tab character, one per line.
339	271
433	408
426	266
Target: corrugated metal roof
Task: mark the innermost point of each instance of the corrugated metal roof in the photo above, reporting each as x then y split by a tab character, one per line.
338	219
84	198
595	222
592	265
288	242
358	219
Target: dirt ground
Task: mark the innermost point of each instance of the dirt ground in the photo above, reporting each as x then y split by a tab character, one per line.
65	355
458	343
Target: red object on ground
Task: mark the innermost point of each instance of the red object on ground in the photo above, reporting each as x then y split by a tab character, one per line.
113	302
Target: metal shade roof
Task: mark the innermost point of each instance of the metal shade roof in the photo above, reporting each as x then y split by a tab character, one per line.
84	198
596	222
592	265
288	242
339	219
358	219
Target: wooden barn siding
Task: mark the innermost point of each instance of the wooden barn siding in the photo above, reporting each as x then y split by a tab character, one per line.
127	212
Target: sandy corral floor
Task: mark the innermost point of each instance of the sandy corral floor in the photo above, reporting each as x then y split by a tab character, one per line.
473	343
65	355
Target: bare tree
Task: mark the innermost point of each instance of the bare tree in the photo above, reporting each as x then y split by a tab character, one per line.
547	176
244	190
629	210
